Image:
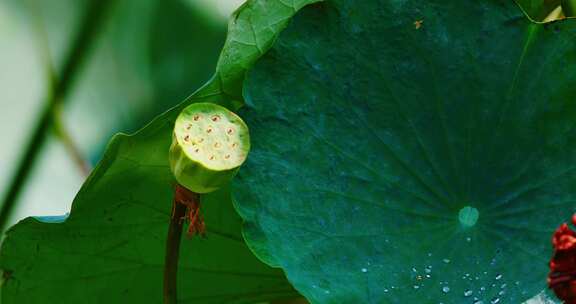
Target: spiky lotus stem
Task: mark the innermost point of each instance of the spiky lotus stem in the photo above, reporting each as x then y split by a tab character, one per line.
209	144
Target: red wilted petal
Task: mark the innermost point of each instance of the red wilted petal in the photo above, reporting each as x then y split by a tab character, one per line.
564	238
562	277
567	294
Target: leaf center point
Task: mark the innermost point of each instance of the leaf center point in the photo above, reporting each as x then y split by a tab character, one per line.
468	216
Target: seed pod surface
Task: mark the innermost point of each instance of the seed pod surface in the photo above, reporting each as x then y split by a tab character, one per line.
209	144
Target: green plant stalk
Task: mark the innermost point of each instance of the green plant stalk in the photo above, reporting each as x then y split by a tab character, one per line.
44	53
569	8
173	251
95	15
69	144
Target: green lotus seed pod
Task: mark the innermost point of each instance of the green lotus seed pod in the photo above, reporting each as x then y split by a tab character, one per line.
208	146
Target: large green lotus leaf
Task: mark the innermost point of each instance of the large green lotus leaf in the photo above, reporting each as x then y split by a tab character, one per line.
374	126
111	247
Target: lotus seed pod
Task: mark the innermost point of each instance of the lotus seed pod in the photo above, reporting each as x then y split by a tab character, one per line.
209	145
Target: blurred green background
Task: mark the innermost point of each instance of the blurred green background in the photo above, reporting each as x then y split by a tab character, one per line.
147	56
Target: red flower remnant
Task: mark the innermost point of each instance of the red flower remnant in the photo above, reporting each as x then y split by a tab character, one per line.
562	276
192	202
